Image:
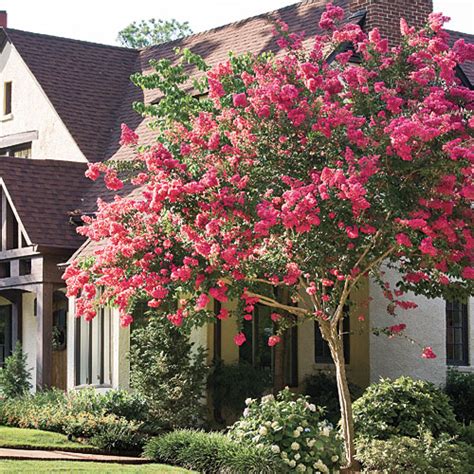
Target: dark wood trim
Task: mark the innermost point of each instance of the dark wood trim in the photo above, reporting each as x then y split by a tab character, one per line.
17	253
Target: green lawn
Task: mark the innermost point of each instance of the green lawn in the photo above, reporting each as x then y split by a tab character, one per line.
19	437
73	466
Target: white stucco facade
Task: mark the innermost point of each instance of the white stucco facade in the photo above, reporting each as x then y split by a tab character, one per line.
32	111
397	356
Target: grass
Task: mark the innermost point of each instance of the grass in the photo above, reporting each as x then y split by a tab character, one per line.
26	438
74	466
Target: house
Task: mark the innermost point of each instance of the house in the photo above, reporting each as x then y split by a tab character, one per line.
63	102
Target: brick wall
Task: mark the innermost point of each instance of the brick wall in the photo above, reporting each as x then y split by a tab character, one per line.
386	14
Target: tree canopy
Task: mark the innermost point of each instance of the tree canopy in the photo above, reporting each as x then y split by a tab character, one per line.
152	32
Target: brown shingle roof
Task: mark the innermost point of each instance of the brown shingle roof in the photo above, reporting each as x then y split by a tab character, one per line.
84	81
43	193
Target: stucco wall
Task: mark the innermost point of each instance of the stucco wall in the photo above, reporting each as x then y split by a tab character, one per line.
426	324
32	110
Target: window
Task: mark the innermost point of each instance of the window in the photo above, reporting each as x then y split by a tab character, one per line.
18	151
258	353
256	350
94	349
457	350
7	98
322	353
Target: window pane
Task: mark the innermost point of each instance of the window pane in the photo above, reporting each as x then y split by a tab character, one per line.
7	105
457	351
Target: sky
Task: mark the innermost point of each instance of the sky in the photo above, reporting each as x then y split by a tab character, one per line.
100	20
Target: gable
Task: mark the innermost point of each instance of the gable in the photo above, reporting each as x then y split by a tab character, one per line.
84	82
33	117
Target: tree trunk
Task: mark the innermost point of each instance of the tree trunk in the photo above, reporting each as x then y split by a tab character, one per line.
334	340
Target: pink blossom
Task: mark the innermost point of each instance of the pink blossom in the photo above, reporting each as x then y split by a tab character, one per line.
273	340
275	317
93	171
468	273
328	17
398	328
403	239
239	338
129	137
126	320
223	314
428	353
202	301
240	100
427	247
352	232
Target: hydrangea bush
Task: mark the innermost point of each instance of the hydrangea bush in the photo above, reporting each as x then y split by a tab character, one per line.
293	428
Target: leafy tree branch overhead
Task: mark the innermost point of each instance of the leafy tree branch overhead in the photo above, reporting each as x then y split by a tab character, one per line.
294	173
152	32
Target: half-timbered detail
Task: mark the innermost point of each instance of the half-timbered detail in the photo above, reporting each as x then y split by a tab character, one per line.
36	236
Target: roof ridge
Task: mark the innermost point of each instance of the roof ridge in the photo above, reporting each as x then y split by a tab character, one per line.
463	33
235	23
73	40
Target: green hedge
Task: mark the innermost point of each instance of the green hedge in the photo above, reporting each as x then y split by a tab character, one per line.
80	414
211	453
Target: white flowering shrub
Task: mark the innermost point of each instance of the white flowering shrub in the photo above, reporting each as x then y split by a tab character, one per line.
294	429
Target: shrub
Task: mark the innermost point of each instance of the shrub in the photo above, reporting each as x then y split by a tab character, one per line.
121	435
232	384
169	373
211	453
402	407
402	454
321	387
14	375
129	405
460	390
292	428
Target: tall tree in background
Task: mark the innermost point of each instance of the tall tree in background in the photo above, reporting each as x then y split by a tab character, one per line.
294	174
148	33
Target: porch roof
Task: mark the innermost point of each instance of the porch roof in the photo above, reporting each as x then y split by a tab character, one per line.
44	192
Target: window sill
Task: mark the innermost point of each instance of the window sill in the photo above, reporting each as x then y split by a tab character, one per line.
6	118
462	368
93	386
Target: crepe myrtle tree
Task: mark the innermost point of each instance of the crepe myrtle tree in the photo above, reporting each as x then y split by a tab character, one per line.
294	173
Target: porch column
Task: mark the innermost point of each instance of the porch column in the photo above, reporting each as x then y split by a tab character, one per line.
17	317
44	327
